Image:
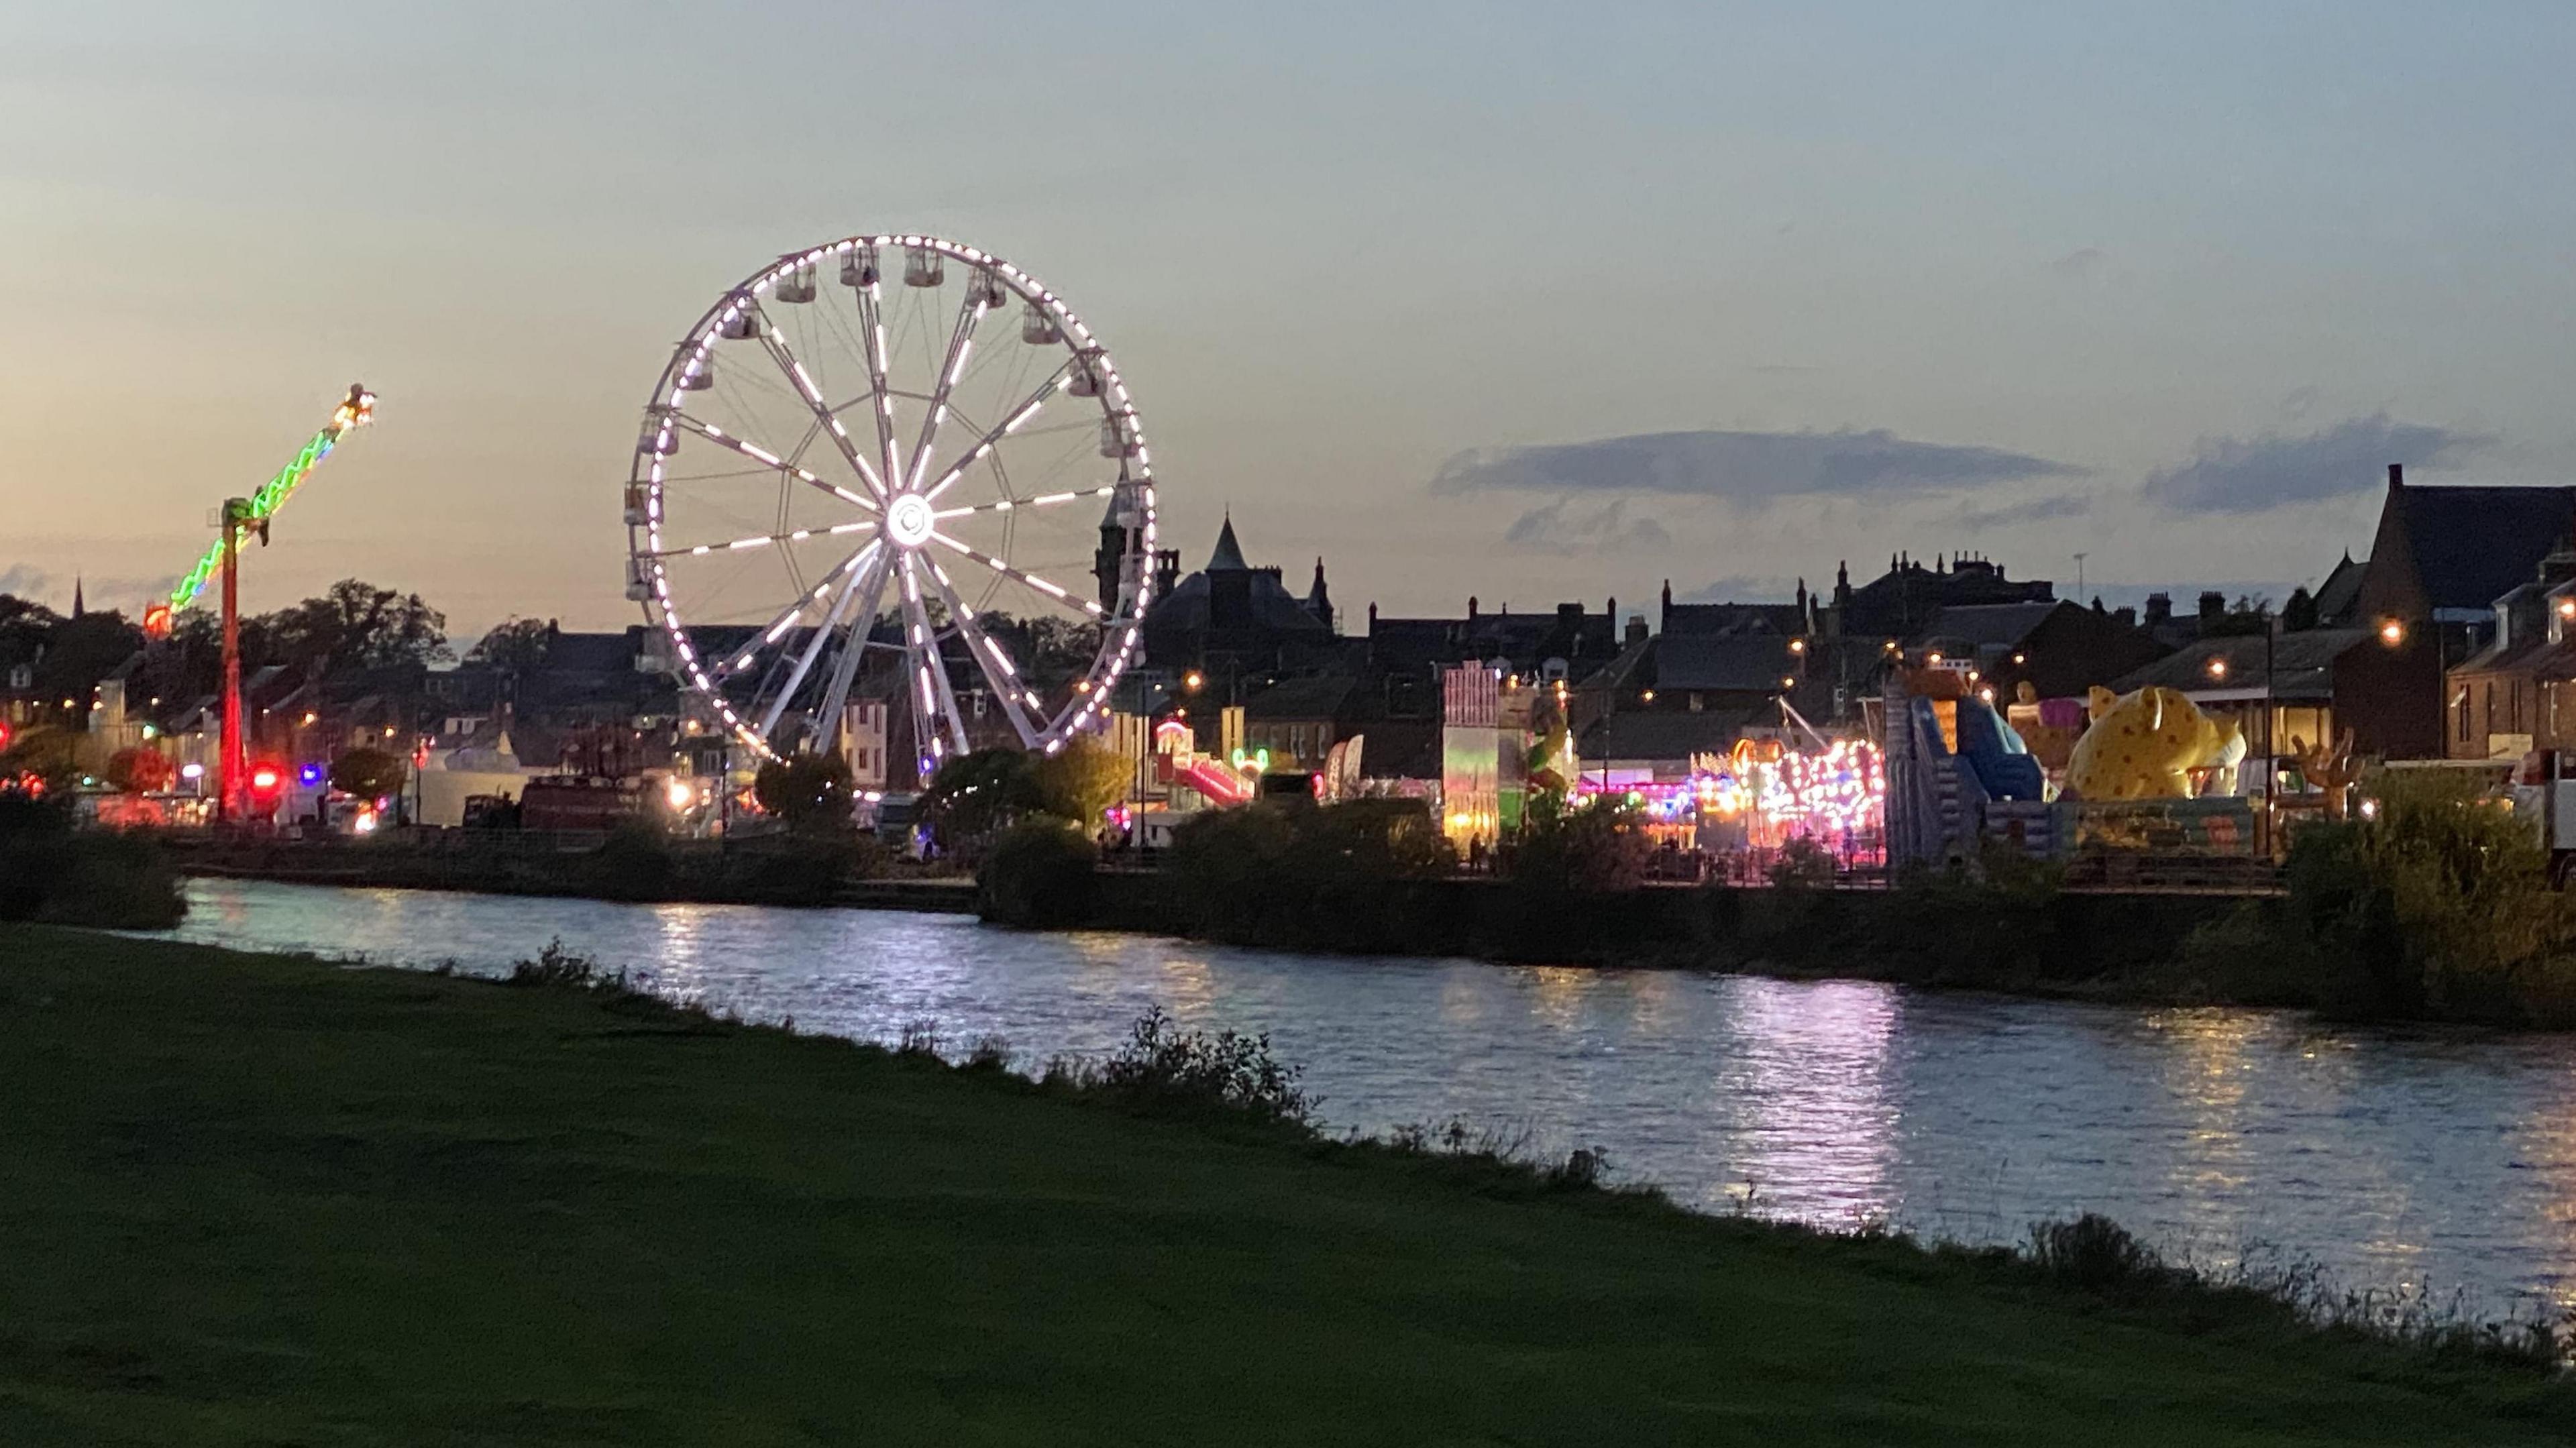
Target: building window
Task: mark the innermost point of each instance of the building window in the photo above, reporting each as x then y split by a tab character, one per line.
2462	704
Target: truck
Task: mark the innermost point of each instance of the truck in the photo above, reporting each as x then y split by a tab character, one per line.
2544	791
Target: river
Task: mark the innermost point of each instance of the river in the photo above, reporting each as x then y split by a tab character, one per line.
2435	1162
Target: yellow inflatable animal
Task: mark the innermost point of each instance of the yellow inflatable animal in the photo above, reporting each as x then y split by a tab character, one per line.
2146	745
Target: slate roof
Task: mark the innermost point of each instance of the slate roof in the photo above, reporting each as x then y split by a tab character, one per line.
2340	591
1273	607
1989	625
1755	662
2302	664
1784	619
1320	697
1668	734
2474	544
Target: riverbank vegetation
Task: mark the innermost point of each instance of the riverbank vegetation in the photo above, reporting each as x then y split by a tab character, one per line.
2439	907
51	872
255	1199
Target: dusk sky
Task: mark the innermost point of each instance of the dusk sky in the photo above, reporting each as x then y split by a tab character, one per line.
1533	302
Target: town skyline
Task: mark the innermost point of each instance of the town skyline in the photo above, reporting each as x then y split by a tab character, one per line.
1787	320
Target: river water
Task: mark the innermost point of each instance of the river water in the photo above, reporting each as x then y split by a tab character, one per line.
2434	1162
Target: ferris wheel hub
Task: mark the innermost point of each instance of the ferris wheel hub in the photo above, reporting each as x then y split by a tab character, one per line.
909	520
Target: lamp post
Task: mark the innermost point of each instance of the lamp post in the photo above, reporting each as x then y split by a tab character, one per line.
2271	761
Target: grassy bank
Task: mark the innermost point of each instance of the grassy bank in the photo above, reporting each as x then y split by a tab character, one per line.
250	1199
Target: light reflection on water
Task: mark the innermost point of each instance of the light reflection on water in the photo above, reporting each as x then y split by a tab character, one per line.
2398	1159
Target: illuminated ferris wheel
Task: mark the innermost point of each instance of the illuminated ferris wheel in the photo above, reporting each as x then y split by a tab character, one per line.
893	466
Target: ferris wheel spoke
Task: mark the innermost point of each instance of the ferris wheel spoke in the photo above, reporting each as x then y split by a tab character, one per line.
991	660
960	340
863	627
929	668
740	544
1043	500
813	650
872	335
766	458
1011	422
776	629
1022	575
776	346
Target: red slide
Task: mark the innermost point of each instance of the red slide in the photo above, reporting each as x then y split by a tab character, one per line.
1211	778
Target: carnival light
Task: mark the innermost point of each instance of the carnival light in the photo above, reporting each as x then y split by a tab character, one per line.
355	411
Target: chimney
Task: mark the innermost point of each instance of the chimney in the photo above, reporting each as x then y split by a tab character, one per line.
1471	606
2213	606
2396	476
2159	609
1636	628
2127	616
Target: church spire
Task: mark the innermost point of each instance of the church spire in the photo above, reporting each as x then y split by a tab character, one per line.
1229	553
77	607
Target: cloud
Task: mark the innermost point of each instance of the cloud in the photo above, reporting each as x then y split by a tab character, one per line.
2083	262
26	580
1562	524
1740	588
2035	510
1748	467
2256	475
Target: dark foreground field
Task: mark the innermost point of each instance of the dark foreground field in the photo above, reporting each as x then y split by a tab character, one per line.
252	1200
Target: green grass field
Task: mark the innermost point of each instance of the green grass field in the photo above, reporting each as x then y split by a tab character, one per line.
249	1200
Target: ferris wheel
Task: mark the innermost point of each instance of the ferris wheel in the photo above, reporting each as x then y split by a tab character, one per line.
857	481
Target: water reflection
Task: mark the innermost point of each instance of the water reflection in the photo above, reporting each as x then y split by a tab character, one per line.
2431	1160
1808	1066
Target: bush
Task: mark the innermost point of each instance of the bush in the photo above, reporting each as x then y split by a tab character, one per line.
139	770
633	863
2097	1255
366	773
1040	873
2441	906
558	968
1164	1067
1597	850
51	873
1353	876
1802	864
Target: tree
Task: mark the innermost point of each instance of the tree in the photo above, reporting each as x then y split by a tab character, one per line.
50	754
2300	612
1050	652
811	792
355	625
139	770
1595	849
976	794
515	646
1080	782
25	627
80	651
369	773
